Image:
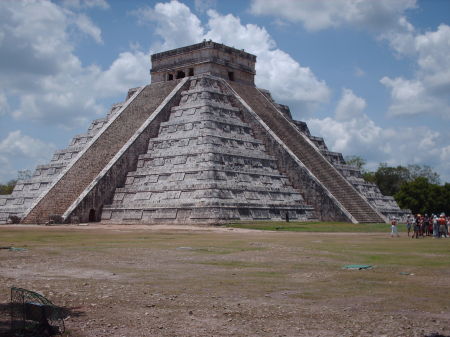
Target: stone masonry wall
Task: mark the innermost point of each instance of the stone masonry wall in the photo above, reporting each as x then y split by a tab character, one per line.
341	192
104	189
28	190
386	205
204	167
204	58
312	192
82	173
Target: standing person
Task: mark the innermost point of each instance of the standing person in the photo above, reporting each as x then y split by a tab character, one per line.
416	227
394	230
420	218
426	225
442	225
448	224
409	222
435	227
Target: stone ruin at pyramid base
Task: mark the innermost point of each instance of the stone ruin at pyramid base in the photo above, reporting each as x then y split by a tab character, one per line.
199	145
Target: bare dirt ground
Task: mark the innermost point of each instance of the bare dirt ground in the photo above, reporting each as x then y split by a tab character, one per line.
183	281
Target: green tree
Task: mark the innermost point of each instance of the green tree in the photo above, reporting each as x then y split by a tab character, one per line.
443	199
414	195
422	196
357	161
8	187
24	174
416	171
360	163
389	179
369	176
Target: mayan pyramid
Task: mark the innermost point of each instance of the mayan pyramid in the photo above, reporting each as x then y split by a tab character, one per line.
200	144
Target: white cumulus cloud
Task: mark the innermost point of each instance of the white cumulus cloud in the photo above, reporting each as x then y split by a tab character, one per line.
85	24
175	24
427	91
4	106
43	80
276	70
445	156
23	149
204	5
79	4
34	42
22	145
322	14
349	106
41	70
352	132
127	71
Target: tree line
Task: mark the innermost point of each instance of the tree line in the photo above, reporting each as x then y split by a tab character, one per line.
414	187
9	186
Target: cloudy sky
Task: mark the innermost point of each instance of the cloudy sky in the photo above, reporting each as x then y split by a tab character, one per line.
371	77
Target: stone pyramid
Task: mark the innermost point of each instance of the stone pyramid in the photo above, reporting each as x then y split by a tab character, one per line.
200	144
205	165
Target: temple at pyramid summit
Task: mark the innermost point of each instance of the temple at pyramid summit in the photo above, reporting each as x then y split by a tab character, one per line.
201	144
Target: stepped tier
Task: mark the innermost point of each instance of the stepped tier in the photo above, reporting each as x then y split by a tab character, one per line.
27	191
205	166
208	162
342	194
70	189
385	205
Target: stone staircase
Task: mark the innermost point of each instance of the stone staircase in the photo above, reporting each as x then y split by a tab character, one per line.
386	205
29	189
308	154
92	160
205	166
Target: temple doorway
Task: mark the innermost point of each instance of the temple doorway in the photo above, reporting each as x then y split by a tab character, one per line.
92	217
180	74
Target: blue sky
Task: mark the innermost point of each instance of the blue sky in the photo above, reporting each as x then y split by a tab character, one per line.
371	77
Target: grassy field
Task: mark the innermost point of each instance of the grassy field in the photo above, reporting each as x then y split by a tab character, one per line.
328	227
233	282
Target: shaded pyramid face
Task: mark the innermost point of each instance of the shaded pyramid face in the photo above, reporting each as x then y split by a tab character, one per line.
205	165
29	189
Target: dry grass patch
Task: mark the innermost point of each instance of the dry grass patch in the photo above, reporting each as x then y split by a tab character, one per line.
231	283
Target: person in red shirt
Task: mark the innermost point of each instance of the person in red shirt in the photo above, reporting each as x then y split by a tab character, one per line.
442	225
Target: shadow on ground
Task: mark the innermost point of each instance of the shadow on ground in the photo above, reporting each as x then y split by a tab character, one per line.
5	319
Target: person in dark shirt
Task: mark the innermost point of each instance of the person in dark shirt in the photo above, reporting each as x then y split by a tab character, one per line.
409	222
426	225
416	227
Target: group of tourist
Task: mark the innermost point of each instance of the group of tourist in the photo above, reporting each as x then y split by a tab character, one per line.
424	225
